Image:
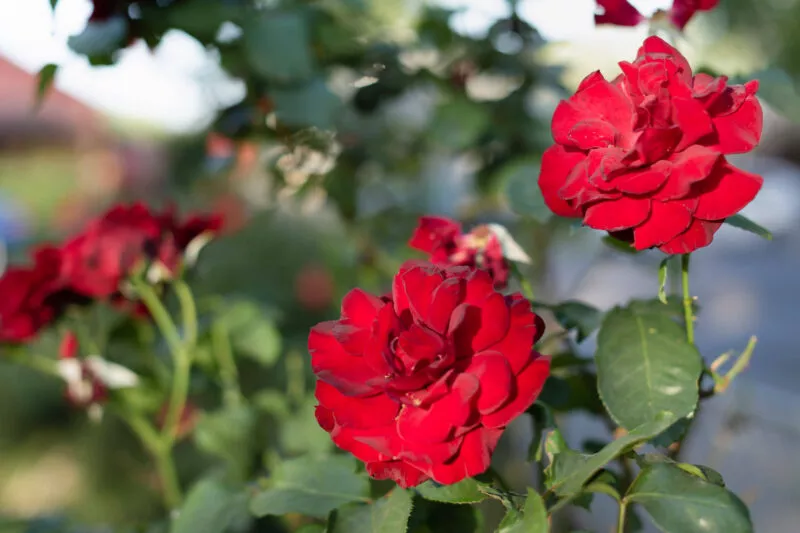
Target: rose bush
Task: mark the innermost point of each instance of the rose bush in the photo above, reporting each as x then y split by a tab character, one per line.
446	245
643	156
421	383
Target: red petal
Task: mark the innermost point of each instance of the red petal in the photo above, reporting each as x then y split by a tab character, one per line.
436	424
434	232
616	215
692	119
494	373
667	220
400	472
657	46
592	134
524	330
600	101
643	181
494	322
412	290
529	384
331	363
739	131
690	166
360	308
726	192
557	163
619	13
358	413
473	458
699	234
445	298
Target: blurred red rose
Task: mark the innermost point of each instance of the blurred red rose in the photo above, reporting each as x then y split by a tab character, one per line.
622	13
314	287
421	383
111	246
642	156
32	296
442	239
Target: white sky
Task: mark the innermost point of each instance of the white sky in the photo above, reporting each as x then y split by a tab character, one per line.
169	87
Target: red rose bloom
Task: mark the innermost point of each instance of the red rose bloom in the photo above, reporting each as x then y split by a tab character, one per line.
622	13
32	297
642	156
97	260
421	383
442	239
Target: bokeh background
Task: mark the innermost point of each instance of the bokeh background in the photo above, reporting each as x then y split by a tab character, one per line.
438	107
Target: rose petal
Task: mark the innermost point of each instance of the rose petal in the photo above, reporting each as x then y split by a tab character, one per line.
739	131
529	384
473	459
644	181
524	329
331	363
359	413
360	307
692	119
616	215
557	163
666	221
699	234
725	192
444	300
494	373
436	424
619	13
400	472
434	232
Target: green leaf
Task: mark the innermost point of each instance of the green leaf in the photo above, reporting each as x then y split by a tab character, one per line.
742	222
458	123
300	432
542	419
252	332
466	491
679	502
311	104
229	434
620	246
100	38
312	487
46	77
532	519
581	317
522	189
645	366
390	514
569	470
210	507
277	45
199	18
663	269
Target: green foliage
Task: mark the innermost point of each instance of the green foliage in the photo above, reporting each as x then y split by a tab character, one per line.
679	502
467	491
313	487
532	519
211	507
252	332
390	514
742	222
645	366
522	190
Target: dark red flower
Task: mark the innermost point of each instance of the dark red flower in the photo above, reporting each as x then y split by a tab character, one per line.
420	384
642	156
125	238
32	296
442	239
622	13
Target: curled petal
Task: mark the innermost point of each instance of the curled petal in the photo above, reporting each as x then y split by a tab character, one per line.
557	163
726	192
699	234
616	215
666	221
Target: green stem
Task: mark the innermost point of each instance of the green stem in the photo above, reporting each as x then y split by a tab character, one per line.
622	517
162	455
38	362
688	313
188	312
228	373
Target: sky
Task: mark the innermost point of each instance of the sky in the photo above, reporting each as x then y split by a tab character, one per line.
169	88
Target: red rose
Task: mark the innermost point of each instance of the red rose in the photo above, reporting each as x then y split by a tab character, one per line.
32	297
622	13
642	156
112	246
446	245
421	383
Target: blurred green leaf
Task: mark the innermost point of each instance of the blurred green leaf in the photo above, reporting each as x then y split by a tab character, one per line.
210	507
466	491
522	189
620	246
199	18
581	317
46	77
251	331
277	45
679	502
645	366
742	222
300	432
458	123
569	470
312	487
311	104
390	514
100	38
230	435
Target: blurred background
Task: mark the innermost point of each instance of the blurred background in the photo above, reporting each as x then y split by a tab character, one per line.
321	134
